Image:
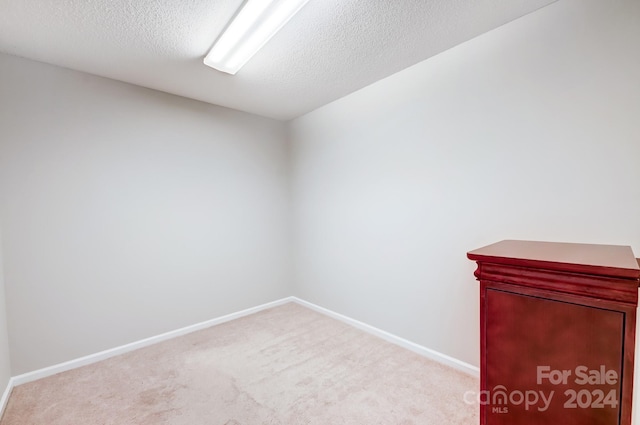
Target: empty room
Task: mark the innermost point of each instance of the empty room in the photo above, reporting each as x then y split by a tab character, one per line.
344	212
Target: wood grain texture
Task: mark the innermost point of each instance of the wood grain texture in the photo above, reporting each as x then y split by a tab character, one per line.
561	305
605	260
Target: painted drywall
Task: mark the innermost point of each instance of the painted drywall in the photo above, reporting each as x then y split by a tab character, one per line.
127	212
527	132
5	361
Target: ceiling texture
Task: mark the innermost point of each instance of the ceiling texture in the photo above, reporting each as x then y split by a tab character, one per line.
330	49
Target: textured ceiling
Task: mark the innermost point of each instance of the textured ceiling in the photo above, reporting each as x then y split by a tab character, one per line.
330	49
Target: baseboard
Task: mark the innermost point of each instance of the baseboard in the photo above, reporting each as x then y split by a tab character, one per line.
103	355
5	395
394	339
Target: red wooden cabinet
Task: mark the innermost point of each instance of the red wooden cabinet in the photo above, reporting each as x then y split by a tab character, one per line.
557	333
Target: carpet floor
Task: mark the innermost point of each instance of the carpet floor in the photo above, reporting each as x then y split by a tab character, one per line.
285	365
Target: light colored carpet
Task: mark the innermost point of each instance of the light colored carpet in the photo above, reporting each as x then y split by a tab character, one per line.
286	365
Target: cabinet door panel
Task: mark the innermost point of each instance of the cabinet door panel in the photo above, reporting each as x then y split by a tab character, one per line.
577	348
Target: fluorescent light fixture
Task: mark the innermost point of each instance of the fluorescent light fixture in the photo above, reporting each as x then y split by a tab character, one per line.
253	26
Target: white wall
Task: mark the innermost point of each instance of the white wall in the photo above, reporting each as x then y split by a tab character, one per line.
5	363
127	212
527	132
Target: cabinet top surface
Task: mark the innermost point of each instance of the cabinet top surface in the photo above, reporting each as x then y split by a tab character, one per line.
606	260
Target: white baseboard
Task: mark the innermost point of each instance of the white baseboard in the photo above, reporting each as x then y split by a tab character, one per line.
394	339
5	395
103	355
